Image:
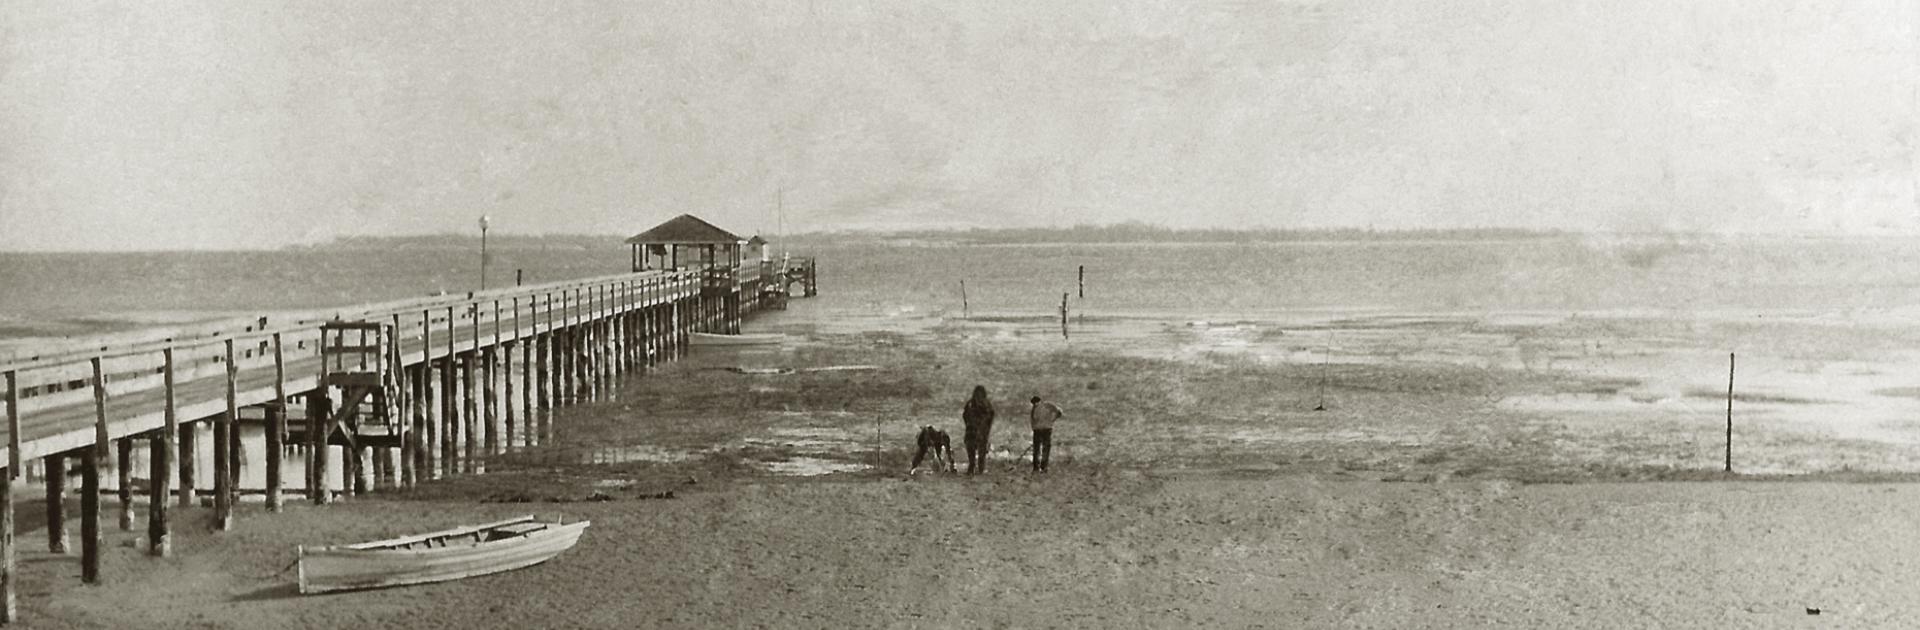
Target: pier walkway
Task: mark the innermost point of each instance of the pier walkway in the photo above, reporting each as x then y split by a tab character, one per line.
419	385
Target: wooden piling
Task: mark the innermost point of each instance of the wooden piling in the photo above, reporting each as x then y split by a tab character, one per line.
491	398
1083	282
506	370
159	467
526	337
8	607
542	342
276	426
160	458
450	429
123	480
319	425
9	611
56	465
90	514
189	477
470	411
276	429
223	446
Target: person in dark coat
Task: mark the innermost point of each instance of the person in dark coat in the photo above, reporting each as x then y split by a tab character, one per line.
978	417
934	440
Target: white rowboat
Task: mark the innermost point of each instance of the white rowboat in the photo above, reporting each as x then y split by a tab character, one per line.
705	339
435	557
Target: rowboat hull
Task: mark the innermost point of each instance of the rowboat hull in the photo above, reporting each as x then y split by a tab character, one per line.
392	563
705	339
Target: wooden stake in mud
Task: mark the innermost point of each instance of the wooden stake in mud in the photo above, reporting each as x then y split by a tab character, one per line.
1083	281
1729	412
966	311
1063	316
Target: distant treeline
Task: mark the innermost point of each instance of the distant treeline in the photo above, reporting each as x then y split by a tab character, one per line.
1148	233
1112	233
472	242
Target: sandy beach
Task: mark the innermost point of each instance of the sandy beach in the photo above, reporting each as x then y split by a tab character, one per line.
1193	486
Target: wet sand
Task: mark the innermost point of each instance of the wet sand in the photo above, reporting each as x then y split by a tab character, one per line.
1190	488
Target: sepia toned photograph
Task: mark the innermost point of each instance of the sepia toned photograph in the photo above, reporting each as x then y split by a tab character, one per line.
684	314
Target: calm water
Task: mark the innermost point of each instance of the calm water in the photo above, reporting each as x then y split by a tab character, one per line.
67	294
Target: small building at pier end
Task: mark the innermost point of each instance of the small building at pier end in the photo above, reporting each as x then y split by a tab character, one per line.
685	242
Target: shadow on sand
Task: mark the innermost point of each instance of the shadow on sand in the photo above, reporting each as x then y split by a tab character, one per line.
277	591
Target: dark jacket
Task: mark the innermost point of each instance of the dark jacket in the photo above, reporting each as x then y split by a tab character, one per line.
978	417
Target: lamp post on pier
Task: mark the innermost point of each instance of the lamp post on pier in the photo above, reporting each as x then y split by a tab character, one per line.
485	221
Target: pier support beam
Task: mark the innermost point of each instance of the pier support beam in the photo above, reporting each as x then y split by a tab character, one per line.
491	375
9	612
319	424
188	476
90	514
469	412
429	429
56	465
506	370
123	480
276	429
160	468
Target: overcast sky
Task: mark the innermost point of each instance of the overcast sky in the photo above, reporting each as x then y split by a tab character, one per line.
217	125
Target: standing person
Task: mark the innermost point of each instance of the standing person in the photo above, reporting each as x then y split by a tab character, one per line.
1041	419
979	420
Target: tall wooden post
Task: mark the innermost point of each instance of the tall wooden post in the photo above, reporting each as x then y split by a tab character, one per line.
8	608
276	426
123	479
527	339
160	457
56	465
1729	412
90	513
9	611
450	375
222	448
542	342
1083	281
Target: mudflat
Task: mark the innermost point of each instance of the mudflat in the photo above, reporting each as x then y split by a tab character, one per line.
1186	491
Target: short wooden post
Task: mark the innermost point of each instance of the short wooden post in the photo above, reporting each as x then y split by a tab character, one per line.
56	465
160	456
1083	281
123	478
1063	316
90	514
223	448
966	311
319	426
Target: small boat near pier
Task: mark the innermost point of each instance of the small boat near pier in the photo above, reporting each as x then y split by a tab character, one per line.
440	556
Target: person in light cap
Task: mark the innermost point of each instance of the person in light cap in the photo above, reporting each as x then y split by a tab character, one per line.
1041	420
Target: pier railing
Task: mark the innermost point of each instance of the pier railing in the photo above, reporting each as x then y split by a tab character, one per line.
66	395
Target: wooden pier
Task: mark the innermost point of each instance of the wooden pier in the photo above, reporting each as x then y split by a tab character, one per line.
410	390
